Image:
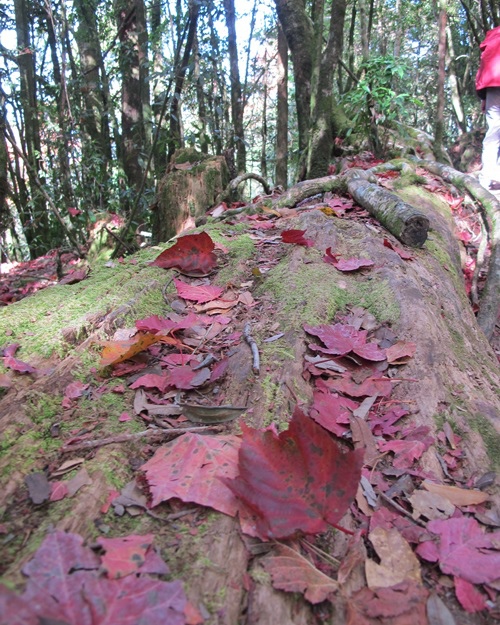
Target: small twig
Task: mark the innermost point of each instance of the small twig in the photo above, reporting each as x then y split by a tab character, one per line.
117	238
164	290
400	509
148	434
253	346
319	552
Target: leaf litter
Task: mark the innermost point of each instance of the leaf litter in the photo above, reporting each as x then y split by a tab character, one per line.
281	485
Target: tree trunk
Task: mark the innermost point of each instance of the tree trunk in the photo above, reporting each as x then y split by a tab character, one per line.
281	175
175	139
238	135
131	31
96	137
322	131
439	125
35	219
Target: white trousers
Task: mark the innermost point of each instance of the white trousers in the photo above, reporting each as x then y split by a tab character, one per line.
491	145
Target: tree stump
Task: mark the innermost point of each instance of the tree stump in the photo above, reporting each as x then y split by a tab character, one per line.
189	187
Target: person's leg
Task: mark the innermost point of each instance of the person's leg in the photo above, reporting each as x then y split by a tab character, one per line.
490	171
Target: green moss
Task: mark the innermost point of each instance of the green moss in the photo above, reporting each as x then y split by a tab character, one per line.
407	179
260	576
42	408
312	294
38	322
490	437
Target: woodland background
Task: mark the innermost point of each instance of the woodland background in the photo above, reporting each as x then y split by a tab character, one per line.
96	96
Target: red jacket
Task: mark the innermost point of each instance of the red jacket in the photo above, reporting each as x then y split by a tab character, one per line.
488	74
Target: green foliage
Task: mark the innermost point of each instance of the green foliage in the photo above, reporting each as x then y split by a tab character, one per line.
375	100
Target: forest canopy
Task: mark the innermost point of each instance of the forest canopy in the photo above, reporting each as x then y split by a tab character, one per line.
97	96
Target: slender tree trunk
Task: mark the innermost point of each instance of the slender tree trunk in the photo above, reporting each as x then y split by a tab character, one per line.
63	113
217	95
200	98
175	138
439	125
238	138
456	98
281	174
37	224
96	148
158	92
263	149
299	32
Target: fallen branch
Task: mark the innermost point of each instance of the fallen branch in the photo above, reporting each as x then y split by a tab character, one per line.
235	183
401	219
253	346
150	435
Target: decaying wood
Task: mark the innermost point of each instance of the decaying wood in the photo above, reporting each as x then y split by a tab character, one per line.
402	220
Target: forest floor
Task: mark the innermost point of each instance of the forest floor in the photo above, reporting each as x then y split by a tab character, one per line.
84	426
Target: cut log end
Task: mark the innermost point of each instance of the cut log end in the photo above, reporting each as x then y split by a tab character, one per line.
415	231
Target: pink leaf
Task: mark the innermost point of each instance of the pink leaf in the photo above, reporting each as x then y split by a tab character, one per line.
406	452
402	253
340	339
126	555
297	237
152	380
190	469
18	365
291	572
346	264
470	598
199	294
464	550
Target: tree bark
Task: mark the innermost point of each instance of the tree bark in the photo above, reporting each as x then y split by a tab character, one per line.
281	173
238	136
131	31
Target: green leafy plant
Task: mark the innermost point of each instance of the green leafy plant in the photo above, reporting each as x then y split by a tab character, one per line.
375	101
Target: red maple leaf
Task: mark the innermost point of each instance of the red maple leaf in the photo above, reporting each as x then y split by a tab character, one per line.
192	255
200	294
399	250
346	264
65	586
340	339
463	550
190	469
297	481
297	237
332	412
